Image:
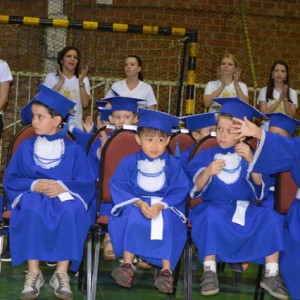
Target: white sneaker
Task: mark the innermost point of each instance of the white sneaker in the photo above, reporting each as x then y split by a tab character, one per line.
34	281
60	282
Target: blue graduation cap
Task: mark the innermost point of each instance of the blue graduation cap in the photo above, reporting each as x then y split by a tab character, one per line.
157	119
123	103
238	108
283	121
195	122
101	103
104	112
52	99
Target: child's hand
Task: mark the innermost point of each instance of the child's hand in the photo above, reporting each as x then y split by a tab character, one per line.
245	128
244	150
144	207
155	210
48	187
215	167
88	124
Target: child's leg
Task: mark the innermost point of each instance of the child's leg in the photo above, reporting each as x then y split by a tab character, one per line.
271	281
209	280
124	273
165	280
34	281
60	281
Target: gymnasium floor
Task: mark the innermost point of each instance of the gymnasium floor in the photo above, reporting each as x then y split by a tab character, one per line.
12	280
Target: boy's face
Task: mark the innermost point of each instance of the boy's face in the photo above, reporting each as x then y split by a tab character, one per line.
225	139
43	122
153	145
203	132
122	117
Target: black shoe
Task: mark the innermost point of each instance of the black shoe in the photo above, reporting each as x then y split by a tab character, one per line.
5	256
236	267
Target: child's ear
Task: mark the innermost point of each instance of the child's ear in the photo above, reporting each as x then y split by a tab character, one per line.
138	140
136	119
195	135
57	120
111	120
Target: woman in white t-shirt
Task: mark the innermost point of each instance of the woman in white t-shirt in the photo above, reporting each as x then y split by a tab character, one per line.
228	85
134	86
5	80
277	96
69	81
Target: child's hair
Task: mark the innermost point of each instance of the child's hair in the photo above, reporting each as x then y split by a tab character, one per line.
150	131
230	117
51	111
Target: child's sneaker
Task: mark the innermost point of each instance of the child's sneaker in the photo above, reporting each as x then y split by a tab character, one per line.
60	282
123	275
164	282
209	283
274	286
33	283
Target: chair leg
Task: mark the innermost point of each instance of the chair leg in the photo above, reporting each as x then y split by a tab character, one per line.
259	292
96	263
187	271
89	267
1	243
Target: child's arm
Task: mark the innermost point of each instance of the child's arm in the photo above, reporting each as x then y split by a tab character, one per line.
244	150
214	168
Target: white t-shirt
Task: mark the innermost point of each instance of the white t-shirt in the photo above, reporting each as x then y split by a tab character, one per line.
262	96
228	92
5	74
142	91
70	89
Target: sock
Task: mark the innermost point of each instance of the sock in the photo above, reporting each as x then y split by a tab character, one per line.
271	269
210	265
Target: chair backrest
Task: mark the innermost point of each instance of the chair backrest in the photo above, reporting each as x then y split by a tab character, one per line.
24	133
122	143
184	140
285	191
205	143
97	135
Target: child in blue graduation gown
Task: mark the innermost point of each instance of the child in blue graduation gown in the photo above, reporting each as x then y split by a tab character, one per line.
49	186
228	225
277	154
148	190
199	126
123	111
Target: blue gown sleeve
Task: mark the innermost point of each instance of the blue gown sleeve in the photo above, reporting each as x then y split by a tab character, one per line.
275	154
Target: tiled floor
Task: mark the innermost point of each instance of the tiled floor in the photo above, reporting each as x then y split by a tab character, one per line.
12	280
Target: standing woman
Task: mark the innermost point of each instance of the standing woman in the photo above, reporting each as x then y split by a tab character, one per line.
69	81
5	80
228	85
134	86
277	96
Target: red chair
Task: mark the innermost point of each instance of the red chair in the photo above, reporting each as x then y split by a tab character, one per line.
181	140
285	191
122	143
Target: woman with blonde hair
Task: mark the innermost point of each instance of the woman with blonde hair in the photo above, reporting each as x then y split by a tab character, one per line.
228	85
